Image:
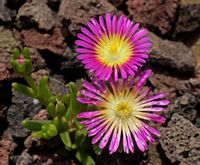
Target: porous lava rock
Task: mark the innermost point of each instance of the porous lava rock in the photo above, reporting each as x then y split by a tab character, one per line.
188	16
6	148
181	141
196	51
157	13
4	12
172	54
77	13
7	43
36	11
53	42
23	107
4	73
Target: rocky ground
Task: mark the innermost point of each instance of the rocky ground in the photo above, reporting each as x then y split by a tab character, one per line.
48	29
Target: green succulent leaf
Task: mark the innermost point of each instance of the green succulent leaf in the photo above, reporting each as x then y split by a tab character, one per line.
65	137
84	158
51	109
25	52
44	91
96	149
35	125
38	134
16	53
66	100
24	89
52	130
60	109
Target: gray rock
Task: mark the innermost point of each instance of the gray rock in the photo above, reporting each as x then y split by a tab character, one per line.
7	43
24	159
23	107
36	11
185	105
172	54
4	12
79	12
181	141
188	16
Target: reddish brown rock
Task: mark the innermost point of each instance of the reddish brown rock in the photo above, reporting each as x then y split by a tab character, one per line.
188	16
54	42
4	73
172	54
36	11
157	13
41	115
5	151
79	12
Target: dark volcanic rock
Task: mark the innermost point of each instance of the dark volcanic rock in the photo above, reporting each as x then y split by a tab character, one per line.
36	11
23	107
7	44
172	54
181	141
185	106
54	42
157	13
3	110
116	3
79	12
189	16
4	12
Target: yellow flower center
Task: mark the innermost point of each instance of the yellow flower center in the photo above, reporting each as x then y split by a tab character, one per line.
123	109
113	50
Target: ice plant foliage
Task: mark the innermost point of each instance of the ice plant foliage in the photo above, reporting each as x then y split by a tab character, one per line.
124	110
112	45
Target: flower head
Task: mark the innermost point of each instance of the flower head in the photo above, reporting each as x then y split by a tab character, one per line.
112	45
124	108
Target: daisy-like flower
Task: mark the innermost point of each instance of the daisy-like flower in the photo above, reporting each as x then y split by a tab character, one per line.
112	45
124	111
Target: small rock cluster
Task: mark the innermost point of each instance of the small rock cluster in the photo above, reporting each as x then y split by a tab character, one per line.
48	28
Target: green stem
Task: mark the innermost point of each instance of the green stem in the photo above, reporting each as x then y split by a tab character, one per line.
31	82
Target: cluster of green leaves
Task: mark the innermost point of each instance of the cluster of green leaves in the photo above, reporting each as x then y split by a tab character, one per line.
62	110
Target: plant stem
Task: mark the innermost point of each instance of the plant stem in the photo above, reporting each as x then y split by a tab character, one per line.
31	82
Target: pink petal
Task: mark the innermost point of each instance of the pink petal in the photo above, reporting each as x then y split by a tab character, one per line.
85	38
141	33
123	73
114	24
84	44
143	78
108	22
90	87
88	114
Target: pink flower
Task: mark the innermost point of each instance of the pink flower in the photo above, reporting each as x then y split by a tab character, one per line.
112	46
122	109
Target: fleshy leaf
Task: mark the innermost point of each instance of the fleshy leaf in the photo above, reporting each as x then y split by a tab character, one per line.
84	158
24	89
35	125
65	137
